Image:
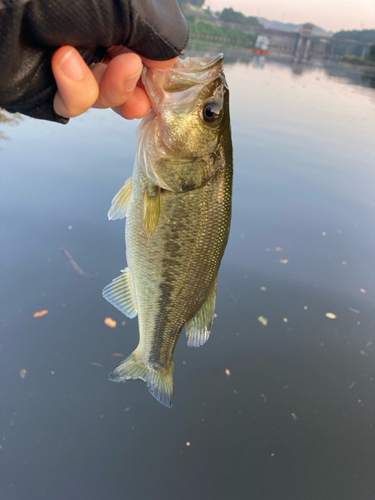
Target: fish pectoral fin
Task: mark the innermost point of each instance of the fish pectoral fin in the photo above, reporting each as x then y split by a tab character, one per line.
119	294
120	202
151	210
198	328
159	381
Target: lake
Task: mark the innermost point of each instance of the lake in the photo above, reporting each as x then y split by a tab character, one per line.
280	402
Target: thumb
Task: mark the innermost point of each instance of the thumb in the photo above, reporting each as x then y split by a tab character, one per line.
77	87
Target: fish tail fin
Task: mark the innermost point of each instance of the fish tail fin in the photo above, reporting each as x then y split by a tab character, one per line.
159	381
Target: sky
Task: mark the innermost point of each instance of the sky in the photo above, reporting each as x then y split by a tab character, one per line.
332	15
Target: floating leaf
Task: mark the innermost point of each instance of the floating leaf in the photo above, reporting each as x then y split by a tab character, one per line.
39	314
331	315
263	288
110	322
263	320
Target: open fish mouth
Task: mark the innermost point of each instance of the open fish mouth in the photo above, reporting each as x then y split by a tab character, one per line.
185	77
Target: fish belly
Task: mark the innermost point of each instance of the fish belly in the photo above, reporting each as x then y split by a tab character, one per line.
172	273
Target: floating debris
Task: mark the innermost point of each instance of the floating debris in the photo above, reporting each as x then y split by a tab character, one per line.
123	323
283	261
362	290
70	227
278	249
227	372
263	288
339	231
272	454
52	372
23	373
351	385
242	236
110	322
368	343
354	310
75	266
344	262
117	355
263	320
127	409
188	443
294	417
305	308
285	320
264	398
215	315
324	233
267	249
363	353
331	315
39	314
95	364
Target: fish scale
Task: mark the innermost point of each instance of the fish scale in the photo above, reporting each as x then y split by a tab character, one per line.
178	209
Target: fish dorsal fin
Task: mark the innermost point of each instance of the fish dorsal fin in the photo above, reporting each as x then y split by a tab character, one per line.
198	328
119	294
151	210
120	202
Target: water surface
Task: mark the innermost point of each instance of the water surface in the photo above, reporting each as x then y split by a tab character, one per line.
295	419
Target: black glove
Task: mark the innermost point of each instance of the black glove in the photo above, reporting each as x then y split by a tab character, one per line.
32	30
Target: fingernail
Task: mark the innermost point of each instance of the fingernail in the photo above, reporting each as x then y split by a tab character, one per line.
71	66
131	82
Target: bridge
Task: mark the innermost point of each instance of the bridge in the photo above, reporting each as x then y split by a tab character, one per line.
302	45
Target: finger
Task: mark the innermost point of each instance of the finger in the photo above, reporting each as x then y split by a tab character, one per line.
137	106
119	80
77	87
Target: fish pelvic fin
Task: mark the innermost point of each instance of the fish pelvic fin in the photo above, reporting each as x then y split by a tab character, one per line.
151	210
119	294
198	328
121	201
159	380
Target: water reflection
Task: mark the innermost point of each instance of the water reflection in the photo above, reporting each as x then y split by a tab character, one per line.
8	120
304	183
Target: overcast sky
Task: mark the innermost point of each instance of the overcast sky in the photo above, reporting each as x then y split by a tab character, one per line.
332	15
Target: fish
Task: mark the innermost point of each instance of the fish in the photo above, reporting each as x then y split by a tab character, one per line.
177	206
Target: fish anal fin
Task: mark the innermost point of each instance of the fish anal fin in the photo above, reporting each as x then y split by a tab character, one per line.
119	294
198	328
120	202
159	381
151	210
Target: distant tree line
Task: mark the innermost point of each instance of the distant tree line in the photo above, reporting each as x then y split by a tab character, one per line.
359	35
233	16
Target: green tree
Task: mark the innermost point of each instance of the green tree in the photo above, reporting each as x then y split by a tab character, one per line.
372	53
233	16
359	35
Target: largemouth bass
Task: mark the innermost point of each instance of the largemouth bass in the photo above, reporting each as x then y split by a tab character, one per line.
178	209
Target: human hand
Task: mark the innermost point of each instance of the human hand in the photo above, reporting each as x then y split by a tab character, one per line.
38	36
113	83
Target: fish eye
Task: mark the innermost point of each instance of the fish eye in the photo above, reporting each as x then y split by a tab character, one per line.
211	111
